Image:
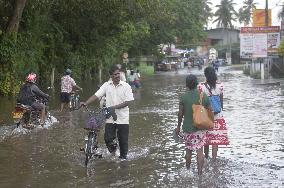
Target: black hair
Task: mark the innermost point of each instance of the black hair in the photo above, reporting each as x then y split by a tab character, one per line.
191	81
211	76
112	69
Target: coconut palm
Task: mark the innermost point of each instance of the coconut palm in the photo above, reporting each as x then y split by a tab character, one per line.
246	11
225	14
281	14
207	11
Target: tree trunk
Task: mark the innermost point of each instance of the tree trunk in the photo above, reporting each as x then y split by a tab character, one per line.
100	73
52	78
13	25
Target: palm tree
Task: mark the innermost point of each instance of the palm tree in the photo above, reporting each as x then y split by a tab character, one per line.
207	11
246	11
225	14
281	14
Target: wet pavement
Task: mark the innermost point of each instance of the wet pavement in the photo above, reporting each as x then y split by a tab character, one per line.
255	157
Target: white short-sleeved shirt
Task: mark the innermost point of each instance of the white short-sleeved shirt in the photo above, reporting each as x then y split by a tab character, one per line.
115	95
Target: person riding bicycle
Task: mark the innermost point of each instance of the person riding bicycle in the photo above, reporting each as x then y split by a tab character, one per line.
67	84
29	93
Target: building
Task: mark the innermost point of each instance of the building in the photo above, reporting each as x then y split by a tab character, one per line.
223	36
226	40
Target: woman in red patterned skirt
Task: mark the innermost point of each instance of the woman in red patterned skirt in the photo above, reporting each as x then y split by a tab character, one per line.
218	135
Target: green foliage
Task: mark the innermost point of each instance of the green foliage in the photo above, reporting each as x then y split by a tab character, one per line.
256	75
225	14
246	71
145	70
281	49
91	34
245	12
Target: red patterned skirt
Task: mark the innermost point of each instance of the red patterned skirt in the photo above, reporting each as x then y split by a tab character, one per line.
195	140
219	134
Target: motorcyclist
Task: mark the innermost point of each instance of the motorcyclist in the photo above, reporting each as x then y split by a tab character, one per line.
29	93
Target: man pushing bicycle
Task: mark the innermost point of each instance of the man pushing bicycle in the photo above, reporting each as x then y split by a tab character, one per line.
118	95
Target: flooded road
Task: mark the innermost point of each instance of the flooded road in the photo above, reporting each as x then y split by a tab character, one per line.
254	158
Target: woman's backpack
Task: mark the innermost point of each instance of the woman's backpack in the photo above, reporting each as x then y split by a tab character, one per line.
215	101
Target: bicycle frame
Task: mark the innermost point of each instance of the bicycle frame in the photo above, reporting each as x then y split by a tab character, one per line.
74	103
93	125
91	146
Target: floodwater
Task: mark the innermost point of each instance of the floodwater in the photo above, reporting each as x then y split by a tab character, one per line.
255	157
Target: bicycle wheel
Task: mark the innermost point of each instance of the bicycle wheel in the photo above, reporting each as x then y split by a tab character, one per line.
77	103
89	148
70	104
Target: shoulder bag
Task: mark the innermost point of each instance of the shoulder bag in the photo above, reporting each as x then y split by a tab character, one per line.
202	119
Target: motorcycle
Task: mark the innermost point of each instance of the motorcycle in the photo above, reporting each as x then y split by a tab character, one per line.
26	117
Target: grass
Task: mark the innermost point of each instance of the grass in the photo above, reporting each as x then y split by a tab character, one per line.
145	69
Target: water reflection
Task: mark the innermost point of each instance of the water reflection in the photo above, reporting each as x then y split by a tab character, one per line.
253	111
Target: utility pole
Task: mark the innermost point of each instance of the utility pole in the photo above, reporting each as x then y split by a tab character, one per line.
262	65
266	13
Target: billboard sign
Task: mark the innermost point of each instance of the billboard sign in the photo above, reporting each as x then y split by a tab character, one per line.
259	45
259	41
246	41
258	17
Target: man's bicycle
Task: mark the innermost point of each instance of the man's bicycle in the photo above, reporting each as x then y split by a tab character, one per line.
74	103
93	124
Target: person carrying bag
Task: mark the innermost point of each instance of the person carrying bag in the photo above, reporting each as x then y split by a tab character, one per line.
214	89
215	100
202	118
191	102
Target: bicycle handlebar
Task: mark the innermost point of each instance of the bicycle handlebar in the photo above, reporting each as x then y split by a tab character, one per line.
75	91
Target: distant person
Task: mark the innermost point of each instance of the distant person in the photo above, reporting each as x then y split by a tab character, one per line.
118	95
67	84
122	73
132	78
218	135
216	65
194	138
137	81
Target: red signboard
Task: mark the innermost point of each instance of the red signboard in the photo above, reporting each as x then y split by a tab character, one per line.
269	29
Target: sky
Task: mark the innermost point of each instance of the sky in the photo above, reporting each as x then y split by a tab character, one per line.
275	5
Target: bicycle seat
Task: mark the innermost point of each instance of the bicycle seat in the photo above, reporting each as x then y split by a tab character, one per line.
24	107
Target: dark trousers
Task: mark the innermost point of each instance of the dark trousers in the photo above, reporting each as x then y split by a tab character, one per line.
122	131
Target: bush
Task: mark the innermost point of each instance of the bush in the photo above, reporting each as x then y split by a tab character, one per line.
256	75
246	71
